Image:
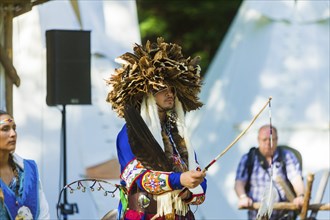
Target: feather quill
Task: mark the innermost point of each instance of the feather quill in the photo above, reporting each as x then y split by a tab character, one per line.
270	193
267	202
143	144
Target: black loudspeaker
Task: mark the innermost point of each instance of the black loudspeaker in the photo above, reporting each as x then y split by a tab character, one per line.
68	67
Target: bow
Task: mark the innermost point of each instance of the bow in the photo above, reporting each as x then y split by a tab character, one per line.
233	142
238	137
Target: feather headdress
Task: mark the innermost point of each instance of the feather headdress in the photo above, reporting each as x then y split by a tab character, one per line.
152	68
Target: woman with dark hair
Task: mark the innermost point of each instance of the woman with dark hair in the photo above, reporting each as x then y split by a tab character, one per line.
21	194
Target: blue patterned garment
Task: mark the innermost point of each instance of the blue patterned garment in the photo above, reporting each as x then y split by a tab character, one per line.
12	185
260	178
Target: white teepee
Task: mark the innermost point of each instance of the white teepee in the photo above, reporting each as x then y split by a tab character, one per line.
91	129
273	48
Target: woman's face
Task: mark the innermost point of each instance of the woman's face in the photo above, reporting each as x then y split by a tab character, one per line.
8	133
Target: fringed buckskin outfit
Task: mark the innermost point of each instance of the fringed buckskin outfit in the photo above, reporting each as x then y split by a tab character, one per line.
153	154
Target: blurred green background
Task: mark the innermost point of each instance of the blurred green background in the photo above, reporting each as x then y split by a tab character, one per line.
199	26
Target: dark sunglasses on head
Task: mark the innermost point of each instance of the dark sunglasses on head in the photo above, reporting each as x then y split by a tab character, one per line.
171	88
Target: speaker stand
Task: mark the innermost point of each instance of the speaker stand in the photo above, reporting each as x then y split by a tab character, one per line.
65	207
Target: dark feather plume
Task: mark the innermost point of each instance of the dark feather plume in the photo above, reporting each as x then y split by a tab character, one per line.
143	144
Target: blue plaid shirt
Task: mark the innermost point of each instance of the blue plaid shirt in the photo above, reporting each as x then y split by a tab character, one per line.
260	178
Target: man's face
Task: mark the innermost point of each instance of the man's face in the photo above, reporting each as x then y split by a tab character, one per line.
165	99
264	142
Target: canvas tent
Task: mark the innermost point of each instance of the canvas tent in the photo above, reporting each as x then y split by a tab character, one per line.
273	48
91	129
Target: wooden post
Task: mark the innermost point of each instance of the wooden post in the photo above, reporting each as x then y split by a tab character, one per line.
277	206
288	192
304	209
8	66
292	207
13	8
319	207
320	192
8	46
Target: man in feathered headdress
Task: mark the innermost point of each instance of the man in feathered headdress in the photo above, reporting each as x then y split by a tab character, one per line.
154	88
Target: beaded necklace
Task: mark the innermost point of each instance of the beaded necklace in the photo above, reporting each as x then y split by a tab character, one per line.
167	127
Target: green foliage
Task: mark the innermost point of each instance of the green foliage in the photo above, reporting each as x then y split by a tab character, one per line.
198	26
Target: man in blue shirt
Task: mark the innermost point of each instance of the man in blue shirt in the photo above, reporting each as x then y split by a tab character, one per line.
253	177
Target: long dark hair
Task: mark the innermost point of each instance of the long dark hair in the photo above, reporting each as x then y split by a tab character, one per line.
12	164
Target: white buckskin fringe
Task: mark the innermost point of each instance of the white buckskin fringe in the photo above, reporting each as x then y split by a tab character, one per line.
167	202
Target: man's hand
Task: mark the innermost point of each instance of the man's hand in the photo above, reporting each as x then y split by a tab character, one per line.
244	201
192	178
298	201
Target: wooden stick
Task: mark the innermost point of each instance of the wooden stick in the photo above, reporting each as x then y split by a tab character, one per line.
288	192
232	143
238	137
320	192
10	70
291	206
322	186
277	206
304	209
320	207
